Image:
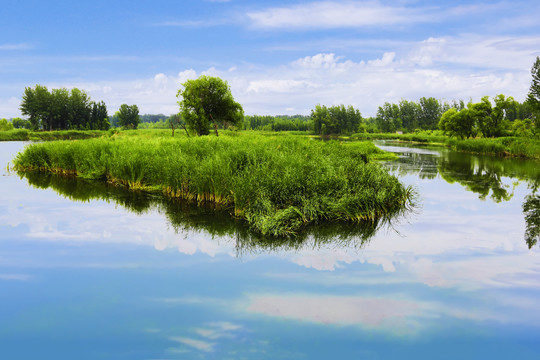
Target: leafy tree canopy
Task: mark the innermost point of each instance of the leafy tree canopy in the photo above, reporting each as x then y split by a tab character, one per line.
128	116
208	100
62	109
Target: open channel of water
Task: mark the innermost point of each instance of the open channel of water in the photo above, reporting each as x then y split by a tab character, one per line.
88	271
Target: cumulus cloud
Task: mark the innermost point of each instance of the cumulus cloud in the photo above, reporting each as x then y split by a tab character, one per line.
460	67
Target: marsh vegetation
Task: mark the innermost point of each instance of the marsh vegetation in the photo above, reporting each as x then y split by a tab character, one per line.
277	184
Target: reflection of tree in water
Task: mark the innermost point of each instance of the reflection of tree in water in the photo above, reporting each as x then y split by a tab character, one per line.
422	165
482	175
188	217
531	210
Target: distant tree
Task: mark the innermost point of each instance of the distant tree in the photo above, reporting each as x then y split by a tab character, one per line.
61	109
409	111
19	123
491	119
128	116
335	119
388	118
429	114
80	108
35	105
5	125
481	112
99	119
458	123
208	100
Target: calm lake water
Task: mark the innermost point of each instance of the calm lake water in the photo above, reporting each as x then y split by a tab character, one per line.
92	272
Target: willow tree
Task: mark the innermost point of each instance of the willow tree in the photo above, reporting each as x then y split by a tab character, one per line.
208	101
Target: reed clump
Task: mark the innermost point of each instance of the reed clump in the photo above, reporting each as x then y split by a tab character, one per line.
279	185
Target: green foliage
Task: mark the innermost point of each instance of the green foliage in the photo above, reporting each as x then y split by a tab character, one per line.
278	123
5	125
482	117
429	114
335	120
388	118
208	100
533	97
19	123
458	123
128	116
277	184
62	109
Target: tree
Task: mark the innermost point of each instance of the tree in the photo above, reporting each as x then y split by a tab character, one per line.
388	117
208	100
128	116
409	111
458	123
429	113
62	109
533	98
99	119
35	105
19	123
5	125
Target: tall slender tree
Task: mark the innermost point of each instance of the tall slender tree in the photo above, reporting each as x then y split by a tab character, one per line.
533	98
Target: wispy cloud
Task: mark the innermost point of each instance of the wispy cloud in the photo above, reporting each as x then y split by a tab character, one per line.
21	46
328	15
17	277
218	330
338	310
196	344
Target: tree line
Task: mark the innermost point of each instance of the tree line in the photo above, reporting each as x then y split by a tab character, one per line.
63	109
486	119
207	103
277	123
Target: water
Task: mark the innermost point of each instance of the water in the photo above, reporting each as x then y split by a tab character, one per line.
88	271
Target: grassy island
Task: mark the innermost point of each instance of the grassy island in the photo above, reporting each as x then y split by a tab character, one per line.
277	184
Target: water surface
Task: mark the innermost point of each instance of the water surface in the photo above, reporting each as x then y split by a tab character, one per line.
89	271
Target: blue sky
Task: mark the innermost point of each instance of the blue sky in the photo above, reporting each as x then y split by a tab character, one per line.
279	57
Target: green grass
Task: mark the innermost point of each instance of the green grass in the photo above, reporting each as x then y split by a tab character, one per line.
511	146
278	184
27	135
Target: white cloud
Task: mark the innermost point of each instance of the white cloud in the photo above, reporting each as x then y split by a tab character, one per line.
218	330
196	344
276	86
328	15
21	46
17	277
183	76
337	310
462	67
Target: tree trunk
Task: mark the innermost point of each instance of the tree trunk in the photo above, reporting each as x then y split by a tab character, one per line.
215	124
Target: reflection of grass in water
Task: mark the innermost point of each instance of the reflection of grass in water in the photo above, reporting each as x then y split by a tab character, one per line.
188	217
278	185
